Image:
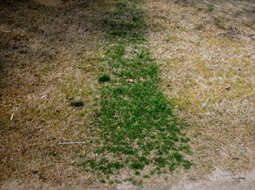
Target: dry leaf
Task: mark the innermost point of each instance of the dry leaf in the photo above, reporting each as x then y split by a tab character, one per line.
94	114
129	80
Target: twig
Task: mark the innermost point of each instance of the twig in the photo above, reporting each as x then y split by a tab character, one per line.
238	178
72	143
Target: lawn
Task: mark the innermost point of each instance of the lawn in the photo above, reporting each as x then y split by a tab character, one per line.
156	90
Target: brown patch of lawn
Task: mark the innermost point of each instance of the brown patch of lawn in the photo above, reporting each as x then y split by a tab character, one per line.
206	56
49	57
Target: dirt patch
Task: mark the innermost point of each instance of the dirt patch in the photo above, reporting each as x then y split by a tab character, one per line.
218	180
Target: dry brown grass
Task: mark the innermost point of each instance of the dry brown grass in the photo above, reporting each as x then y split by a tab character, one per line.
206	54
49	52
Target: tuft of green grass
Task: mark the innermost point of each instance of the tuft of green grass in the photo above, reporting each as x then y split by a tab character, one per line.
77	104
187	164
104	78
137	165
172	167
170	39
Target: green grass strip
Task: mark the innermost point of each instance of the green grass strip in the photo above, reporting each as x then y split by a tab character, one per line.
135	126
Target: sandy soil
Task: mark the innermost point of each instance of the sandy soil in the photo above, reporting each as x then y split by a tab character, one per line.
218	180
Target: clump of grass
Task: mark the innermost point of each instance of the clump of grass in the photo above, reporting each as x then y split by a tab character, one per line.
170	39
104	78
77	104
137	165
187	164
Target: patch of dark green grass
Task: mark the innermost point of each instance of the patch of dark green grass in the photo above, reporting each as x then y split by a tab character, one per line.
104	78
111	182
137	165
77	104
187	164
135	120
172	167
161	161
159	172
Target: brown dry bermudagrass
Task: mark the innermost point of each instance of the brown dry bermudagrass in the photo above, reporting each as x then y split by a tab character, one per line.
206	54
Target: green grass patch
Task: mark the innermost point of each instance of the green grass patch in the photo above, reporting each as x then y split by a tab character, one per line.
77	104
135	125
104	78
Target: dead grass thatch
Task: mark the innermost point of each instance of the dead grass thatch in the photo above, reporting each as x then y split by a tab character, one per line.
206	54
49	52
